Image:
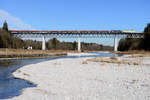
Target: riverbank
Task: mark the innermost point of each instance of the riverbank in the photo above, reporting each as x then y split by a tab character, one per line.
124	78
132	52
23	53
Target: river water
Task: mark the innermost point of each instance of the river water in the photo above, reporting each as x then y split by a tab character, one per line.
10	86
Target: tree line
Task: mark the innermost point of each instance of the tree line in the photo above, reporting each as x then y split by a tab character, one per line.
136	43
7	40
57	45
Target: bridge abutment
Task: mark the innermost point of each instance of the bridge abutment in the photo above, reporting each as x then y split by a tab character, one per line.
116	43
43	43
79	44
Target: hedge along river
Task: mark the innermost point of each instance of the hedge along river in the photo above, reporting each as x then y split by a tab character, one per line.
10	86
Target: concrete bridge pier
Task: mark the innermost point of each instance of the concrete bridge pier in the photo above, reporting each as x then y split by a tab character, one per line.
43	43
115	43
79	44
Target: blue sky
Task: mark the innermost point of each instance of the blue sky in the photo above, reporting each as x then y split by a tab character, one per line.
76	15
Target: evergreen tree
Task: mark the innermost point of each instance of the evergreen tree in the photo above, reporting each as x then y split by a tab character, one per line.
74	45
5	26
54	43
146	40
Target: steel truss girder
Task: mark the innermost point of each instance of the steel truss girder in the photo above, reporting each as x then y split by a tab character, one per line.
76	35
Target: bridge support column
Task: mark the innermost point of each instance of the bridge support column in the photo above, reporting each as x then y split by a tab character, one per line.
115	44
43	43
79	44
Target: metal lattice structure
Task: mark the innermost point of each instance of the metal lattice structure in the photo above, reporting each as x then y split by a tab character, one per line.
74	34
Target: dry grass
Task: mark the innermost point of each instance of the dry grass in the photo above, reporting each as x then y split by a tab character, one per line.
113	60
107	60
102	64
5	51
133	52
84	62
25	51
22	53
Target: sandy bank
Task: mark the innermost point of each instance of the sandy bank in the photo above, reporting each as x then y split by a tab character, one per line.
79	79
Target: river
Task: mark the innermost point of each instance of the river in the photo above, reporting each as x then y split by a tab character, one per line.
10	86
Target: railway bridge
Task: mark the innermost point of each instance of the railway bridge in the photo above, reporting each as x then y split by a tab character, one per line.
75	34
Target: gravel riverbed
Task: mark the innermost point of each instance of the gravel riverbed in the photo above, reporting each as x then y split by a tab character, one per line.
81	79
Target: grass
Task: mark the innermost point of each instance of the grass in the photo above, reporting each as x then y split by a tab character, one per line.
133	52
24	53
107	60
84	62
113	60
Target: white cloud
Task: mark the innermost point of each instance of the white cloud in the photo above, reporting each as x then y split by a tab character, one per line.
13	22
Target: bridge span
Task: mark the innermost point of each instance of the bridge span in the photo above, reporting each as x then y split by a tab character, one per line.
75	34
